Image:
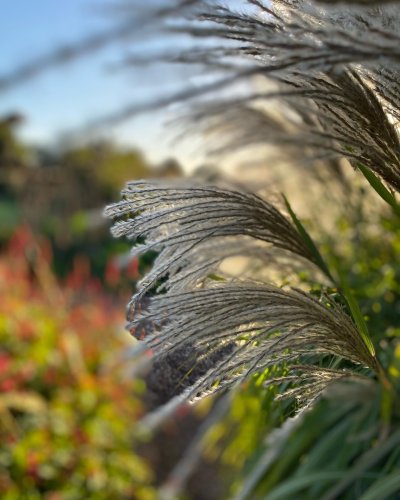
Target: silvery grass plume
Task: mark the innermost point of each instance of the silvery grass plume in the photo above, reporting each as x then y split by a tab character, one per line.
327	116
324	93
331	79
194	227
263	325
328	71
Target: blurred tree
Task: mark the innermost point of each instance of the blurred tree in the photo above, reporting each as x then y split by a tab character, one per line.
11	150
105	166
13	157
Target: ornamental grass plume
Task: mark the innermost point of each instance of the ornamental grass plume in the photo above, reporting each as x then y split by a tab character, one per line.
327	68
332	99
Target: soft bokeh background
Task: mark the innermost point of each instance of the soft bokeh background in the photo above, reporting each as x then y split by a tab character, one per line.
60	101
68	405
76	122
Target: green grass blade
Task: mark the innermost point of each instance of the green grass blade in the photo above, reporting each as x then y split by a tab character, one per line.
356	313
325	447
319	261
366	462
384	487
352	303
379	187
289	488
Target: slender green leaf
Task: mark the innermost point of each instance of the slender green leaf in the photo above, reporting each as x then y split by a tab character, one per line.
368	460
384	487
356	313
325	448
308	241
379	187
289	488
352	303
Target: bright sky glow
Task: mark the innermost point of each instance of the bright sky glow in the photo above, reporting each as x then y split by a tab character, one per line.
64	99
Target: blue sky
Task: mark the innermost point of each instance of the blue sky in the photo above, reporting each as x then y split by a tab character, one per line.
62	100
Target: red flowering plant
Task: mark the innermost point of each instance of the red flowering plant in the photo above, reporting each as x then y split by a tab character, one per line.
66	412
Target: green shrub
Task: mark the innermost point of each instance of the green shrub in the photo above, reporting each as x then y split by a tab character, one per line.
66	413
